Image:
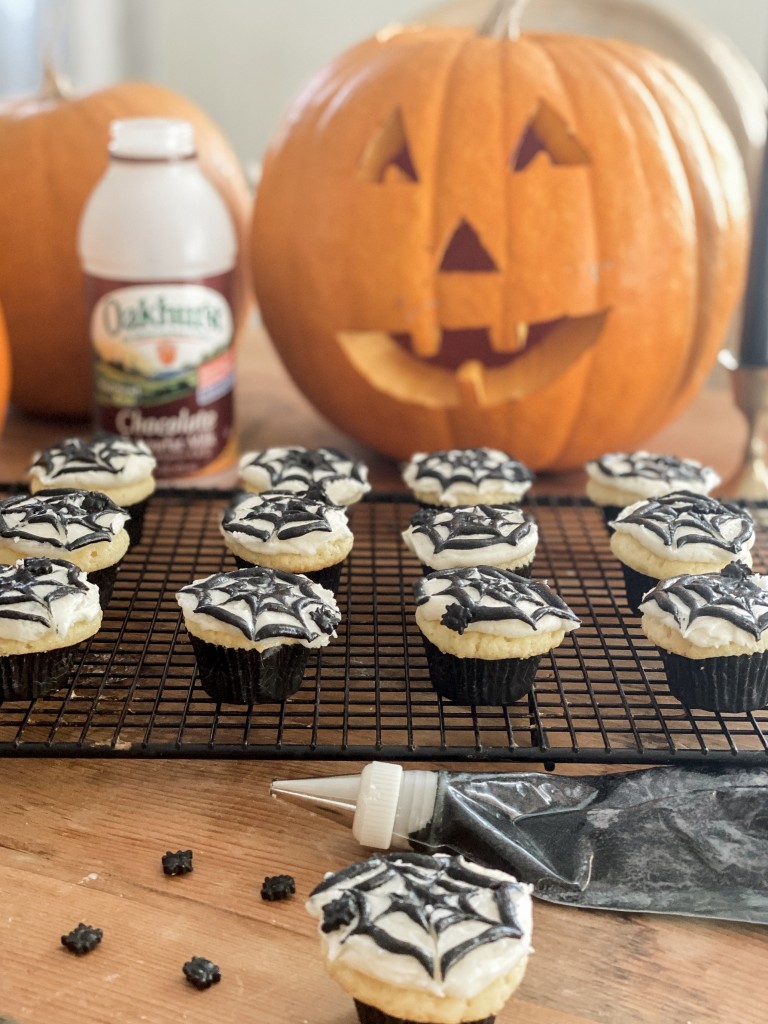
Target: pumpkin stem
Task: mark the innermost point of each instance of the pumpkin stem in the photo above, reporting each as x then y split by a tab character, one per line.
55	85
504	19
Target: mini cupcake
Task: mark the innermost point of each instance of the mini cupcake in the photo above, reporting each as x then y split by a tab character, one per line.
120	467
622	478
712	634
473	535
680	533
485	630
299	533
47	607
83	527
466	476
296	469
253	629
424	938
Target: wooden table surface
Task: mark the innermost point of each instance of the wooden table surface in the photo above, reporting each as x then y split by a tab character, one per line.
81	840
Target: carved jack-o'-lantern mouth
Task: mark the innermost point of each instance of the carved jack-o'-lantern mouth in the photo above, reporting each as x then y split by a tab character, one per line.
468	367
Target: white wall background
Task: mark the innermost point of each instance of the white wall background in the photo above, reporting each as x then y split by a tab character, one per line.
242	60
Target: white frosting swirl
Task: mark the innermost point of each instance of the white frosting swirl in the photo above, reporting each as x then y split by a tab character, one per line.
677	528
727	609
457	475
469	535
105	462
345	480
410	917
273	522
41	597
649	476
492	601
45	524
260	608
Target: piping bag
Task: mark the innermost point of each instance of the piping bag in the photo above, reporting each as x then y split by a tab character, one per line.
678	840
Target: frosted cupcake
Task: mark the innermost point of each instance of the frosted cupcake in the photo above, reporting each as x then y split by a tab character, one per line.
622	478
253	630
712	634
424	938
294	532
119	467
466	476
485	630
473	535
83	527
296	469
681	533
47	608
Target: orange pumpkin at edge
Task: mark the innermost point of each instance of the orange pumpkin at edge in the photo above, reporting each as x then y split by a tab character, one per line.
52	152
5	371
534	243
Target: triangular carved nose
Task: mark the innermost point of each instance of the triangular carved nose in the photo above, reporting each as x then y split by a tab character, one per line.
466	253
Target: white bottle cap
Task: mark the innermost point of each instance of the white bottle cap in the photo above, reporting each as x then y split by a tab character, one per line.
151	138
377	801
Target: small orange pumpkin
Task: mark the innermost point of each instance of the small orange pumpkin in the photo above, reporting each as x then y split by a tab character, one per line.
533	243
5	371
52	152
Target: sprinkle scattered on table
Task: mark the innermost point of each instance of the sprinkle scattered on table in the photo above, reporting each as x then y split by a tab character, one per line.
82	939
178	863
278	887
201	973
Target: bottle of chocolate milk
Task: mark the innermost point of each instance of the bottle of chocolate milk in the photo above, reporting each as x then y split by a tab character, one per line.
158	249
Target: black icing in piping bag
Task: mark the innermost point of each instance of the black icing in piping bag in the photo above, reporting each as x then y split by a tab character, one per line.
677	840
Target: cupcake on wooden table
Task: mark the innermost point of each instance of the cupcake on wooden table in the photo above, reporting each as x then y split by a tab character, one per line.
416	938
466	476
676	534
622	478
301	533
485	630
83	527
253	630
119	467
473	535
712	634
47	608
296	469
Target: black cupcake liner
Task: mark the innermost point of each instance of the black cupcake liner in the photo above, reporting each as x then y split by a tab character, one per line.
105	581
372	1015
135	525
329	577
27	676
729	683
471	681
521	570
236	676
637	586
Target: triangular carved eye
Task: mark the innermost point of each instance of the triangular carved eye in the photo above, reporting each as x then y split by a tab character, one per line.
547	132
465	252
388	155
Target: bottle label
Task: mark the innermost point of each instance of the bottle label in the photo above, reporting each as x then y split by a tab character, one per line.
164	367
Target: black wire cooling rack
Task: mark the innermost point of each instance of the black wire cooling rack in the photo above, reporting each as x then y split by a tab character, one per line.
601	697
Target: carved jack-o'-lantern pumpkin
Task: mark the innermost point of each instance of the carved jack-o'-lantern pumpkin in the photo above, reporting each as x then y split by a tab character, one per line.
534	243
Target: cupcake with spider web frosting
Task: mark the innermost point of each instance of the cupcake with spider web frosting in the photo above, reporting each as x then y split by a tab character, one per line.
435	939
485	630
473	535
296	532
253	630
297	469
676	534
711	630
466	476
